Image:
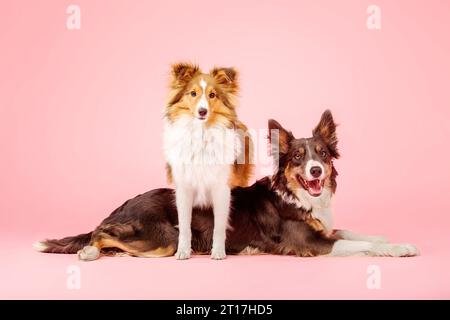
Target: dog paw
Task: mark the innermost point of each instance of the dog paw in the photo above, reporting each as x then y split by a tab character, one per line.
406	250
218	254
88	253
396	250
183	254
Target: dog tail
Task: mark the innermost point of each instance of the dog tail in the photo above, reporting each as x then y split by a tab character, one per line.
65	245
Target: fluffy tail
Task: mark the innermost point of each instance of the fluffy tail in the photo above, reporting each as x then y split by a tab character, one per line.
65	245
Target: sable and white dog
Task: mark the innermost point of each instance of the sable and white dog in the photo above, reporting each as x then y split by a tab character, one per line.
207	149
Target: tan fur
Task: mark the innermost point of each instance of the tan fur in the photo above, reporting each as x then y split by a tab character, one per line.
290	173
250	251
134	248
293	251
201	252
242	172
169	173
315	224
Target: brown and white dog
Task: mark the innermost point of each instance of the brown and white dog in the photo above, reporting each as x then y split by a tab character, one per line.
206	147
287	213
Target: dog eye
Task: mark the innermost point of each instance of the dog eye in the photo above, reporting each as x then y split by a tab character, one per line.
193	93
212	95
297	156
323	154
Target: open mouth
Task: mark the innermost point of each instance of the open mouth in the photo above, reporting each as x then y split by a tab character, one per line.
314	187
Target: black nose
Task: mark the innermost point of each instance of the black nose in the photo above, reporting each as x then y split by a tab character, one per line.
316	172
202	112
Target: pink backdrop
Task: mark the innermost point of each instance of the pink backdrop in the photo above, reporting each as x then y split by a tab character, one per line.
81	129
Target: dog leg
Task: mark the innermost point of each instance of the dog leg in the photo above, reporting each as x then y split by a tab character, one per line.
343	248
184	201
348	235
221	204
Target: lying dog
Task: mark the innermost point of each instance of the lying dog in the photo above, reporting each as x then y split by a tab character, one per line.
287	213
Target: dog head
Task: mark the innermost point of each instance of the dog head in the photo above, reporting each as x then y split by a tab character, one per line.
305	165
208	98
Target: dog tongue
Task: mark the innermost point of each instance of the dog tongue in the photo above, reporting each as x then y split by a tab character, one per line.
315	187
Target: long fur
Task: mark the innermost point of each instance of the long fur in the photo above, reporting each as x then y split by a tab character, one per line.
64	245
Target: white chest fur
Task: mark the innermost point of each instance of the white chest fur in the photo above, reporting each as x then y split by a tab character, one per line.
320	206
200	157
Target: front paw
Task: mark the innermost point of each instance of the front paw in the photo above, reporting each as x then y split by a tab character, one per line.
395	250
183	253
406	250
218	254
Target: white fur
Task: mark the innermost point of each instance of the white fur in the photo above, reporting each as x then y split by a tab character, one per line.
320	206
200	158
203	102
343	248
348	235
203	85
221	197
88	253
309	165
324	215
184	199
39	246
289	199
393	250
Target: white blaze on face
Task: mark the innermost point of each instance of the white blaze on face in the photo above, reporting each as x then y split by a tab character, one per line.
203	102
313	184
309	165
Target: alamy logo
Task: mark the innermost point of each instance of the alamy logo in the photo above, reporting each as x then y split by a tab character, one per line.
234	152
374	279
373	21
74	277
73	21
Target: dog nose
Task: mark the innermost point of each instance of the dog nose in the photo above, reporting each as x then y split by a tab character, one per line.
202	112
316	171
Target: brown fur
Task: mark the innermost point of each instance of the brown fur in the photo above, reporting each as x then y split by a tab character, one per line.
326	130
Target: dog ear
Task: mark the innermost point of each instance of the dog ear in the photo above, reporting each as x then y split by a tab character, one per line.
182	73
326	130
279	138
227	78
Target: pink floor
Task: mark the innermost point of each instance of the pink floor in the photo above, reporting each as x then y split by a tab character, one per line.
26	274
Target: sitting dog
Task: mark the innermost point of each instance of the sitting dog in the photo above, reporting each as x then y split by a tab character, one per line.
206	148
287	214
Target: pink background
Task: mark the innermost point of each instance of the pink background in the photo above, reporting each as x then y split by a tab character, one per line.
81	131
